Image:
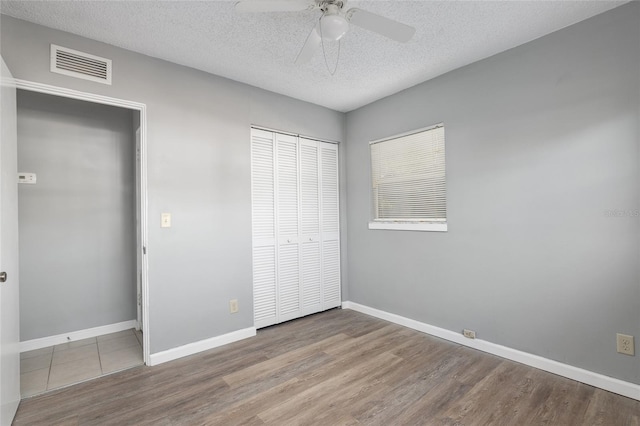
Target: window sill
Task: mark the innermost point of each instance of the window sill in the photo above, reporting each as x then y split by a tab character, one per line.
409	226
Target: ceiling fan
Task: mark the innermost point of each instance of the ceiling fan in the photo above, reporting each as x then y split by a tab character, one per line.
334	22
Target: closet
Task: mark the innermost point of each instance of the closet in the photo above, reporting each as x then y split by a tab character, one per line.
296	232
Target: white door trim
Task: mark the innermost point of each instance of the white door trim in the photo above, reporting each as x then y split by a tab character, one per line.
142	108
10	290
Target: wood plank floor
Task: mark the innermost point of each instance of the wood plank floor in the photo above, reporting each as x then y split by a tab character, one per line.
335	368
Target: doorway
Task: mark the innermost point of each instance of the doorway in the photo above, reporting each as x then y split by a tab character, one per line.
82	243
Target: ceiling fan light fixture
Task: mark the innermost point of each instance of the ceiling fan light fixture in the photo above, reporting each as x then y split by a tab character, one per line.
333	26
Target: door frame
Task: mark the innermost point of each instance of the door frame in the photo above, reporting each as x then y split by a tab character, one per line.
9	291
142	188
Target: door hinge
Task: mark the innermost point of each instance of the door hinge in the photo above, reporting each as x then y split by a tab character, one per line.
144	250
139	299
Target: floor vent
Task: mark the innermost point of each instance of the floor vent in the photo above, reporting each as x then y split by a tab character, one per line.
80	65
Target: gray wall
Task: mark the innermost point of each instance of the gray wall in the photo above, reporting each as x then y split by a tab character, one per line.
77	223
198	170
541	141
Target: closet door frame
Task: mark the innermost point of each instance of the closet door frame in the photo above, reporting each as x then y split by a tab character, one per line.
304	306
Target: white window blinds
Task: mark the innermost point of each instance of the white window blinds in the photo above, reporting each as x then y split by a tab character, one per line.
408	177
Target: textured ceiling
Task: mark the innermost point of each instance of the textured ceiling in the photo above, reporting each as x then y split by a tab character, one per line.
259	49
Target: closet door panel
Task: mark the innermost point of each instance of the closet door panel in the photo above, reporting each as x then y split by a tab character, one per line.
329	191
288	282
288	220
264	228
309	188
287	184
330	225
331	274
311	279
264	286
263	188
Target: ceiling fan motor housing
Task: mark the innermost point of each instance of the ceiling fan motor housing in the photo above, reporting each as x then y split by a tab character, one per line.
323	4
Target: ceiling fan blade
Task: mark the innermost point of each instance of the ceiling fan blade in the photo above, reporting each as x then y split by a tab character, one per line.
250	6
311	45
387	27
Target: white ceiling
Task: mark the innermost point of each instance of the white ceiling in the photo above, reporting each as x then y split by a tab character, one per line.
259	49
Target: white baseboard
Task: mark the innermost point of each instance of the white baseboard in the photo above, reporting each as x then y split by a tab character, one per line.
202	345
630	390
44	342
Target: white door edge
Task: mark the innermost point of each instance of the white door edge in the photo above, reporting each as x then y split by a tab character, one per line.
9	290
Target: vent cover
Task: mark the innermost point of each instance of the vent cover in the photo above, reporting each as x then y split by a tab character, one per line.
80	65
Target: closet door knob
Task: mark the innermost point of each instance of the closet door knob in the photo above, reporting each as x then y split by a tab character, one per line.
3	277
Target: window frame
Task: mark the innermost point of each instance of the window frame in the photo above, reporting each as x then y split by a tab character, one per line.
433	225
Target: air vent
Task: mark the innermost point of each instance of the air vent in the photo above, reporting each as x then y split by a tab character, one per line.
80	65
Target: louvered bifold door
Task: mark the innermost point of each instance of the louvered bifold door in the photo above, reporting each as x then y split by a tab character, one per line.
264	228
288	208
330	225
310	257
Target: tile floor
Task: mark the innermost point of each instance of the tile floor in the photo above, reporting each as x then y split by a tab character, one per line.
57	366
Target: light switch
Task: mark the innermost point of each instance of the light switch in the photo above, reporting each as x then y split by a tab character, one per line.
165	220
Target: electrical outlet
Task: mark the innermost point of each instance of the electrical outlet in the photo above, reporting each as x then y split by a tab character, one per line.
233	306
625	344
470	334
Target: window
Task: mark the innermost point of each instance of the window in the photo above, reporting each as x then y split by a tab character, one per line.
408	181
